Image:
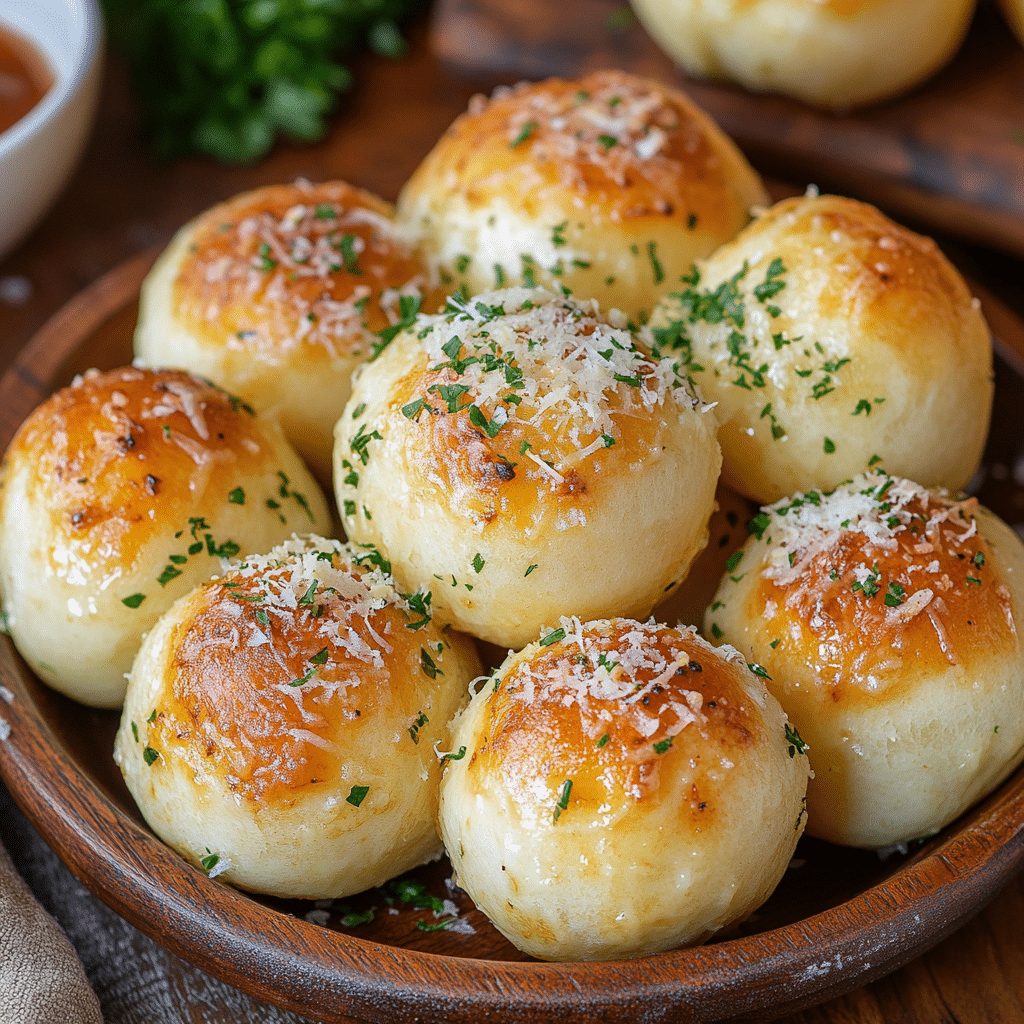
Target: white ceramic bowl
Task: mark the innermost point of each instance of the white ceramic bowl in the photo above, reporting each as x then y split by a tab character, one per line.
39	152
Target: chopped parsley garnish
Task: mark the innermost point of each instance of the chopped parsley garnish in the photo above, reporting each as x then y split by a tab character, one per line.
237	496
662	746
895	595
553	637
563	799
524	133
133	600
796	744
357	795
829	446
758	670
428	665
478	562
149	755
210	861
454	757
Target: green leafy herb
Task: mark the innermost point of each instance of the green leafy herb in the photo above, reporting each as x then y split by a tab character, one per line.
357	795
149	755
796	744
133	600
225	77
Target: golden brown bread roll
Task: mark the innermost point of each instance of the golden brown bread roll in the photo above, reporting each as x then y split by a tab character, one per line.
610	185
119	494
277	294
620	789
827	334
829	53
280	722
509	456
887	617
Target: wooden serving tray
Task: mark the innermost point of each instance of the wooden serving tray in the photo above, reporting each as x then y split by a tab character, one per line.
839	919
948	156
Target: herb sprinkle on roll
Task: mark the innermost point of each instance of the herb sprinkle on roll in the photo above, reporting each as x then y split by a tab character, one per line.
521	458
619	789
122	492
887	618
280	722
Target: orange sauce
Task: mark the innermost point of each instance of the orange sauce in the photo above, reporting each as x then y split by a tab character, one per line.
25	77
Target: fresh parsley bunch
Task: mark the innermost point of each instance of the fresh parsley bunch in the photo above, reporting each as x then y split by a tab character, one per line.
224	77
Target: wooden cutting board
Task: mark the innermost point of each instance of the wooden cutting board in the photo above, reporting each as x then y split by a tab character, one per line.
947	157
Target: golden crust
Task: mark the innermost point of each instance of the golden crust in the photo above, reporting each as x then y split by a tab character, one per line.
608	787
830	53
892	642
284	716
595	167
844	336
496	455
277	294
119	493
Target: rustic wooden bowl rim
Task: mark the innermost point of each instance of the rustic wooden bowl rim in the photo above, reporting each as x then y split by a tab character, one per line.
333	977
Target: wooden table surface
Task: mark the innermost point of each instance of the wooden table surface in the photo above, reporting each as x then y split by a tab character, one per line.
121	202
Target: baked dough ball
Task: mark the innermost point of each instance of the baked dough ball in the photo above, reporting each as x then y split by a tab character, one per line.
620	789
887	618
829	53
277	294
611	186
520	458
1013	10
119	494
280	722
828	335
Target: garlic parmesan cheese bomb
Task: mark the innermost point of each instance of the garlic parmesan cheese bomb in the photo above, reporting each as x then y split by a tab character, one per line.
519	457
827	335
119	494
829	53
277	294
611	185
280	723
620	789
887	618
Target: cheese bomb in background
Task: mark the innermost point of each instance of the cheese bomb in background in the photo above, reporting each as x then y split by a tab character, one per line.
280	723
828	335
888	621
829	53
119	494
520	458
611	185
277	294
619	789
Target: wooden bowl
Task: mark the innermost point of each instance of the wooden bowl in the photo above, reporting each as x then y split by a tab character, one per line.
839	919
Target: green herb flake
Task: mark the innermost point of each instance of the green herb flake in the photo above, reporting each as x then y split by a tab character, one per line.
563	799
149	755
478	562
210	861
357	794
553	637
603	741
661	747
237	496
796	744
133	600
524	133
829	446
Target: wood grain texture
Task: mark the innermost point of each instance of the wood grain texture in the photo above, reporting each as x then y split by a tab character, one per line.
948	155
842	920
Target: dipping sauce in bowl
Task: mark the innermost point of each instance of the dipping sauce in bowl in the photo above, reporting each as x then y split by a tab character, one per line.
25	77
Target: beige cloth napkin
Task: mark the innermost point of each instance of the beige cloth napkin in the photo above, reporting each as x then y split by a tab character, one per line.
41	978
